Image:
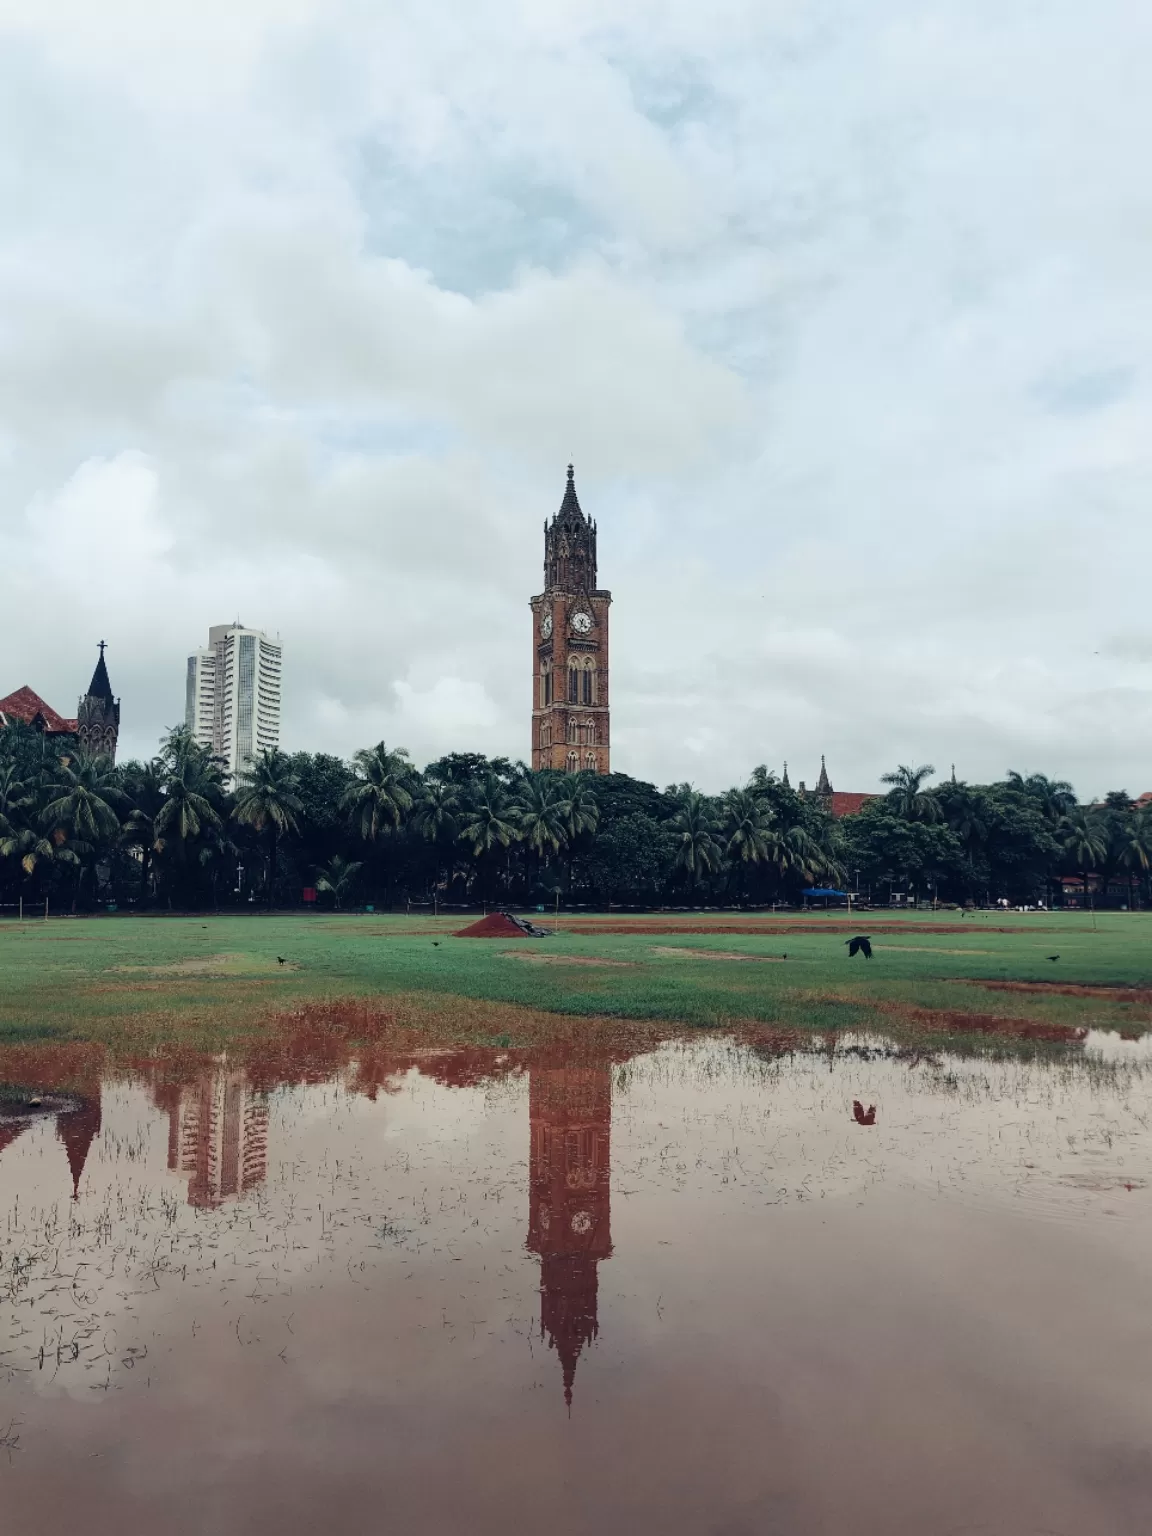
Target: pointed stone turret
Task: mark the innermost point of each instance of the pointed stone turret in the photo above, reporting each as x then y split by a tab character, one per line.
570	545
823	787
784	780
98	716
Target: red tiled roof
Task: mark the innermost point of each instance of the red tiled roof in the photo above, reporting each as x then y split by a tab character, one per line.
846	802
26	706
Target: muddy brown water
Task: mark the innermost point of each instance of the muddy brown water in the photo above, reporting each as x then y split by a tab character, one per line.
683	1292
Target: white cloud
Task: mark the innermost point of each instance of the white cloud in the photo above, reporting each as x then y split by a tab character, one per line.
843	313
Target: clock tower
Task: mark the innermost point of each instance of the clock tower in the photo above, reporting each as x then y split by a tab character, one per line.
570	648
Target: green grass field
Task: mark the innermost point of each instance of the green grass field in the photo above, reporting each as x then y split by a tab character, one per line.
206	980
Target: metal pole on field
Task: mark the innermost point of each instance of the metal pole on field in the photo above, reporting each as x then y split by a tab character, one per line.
21	909
45	909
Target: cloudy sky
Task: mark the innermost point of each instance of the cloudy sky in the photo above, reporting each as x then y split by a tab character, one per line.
842	308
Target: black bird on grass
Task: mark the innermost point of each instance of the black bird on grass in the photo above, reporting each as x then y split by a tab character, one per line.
862	943
1053	957
435	943
280	960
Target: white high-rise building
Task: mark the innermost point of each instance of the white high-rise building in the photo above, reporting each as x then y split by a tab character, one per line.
232	703
200	699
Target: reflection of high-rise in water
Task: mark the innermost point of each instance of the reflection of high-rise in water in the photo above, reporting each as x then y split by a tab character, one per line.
217	1134
569	1201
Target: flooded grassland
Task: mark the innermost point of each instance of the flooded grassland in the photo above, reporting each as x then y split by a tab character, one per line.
756	1281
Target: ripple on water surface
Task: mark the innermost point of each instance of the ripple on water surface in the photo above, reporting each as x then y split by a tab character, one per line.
692	1290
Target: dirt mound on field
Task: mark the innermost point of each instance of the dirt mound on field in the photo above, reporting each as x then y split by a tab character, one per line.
497	925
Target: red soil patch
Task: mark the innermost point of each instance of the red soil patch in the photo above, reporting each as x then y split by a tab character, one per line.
858	925
1114	991
533	957
711	954
495	926
947	1021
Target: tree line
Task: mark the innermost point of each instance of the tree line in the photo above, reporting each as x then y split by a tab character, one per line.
176	833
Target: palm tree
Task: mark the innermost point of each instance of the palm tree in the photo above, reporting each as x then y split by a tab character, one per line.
581	808
1084	837
267	801
1132	846
491	820
796	854
31	849
337	877
698	853
191	791
543	817
144	789
747	820
436	817
907	797
16	794
83	799
581	813
81	810
381	795
1056	797
747	828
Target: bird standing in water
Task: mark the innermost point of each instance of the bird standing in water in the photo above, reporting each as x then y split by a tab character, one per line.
862	943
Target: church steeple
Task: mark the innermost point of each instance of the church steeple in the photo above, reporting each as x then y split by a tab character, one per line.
78	1131
100	687
98	715
823	785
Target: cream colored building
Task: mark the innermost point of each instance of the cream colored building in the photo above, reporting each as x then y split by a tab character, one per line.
232	700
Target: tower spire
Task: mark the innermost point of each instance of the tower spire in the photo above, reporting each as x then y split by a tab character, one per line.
100	687
98	714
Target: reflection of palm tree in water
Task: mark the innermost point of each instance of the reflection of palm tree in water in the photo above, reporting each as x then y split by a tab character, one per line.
569	1215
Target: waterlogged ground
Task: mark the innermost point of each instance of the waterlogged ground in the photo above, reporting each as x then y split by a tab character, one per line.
577	1289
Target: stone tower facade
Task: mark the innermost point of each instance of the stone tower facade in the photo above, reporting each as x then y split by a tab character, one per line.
98	715
570	730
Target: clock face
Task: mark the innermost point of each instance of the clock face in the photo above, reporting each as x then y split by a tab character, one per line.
546	625
581	622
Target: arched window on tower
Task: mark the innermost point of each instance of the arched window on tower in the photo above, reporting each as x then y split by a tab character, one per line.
590	761
573	762
589	689
546	683
573	733
573	681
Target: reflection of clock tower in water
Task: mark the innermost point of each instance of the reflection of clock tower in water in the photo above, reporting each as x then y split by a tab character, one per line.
570	648
569	1195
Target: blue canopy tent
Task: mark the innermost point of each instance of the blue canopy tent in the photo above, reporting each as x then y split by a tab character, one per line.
816	892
